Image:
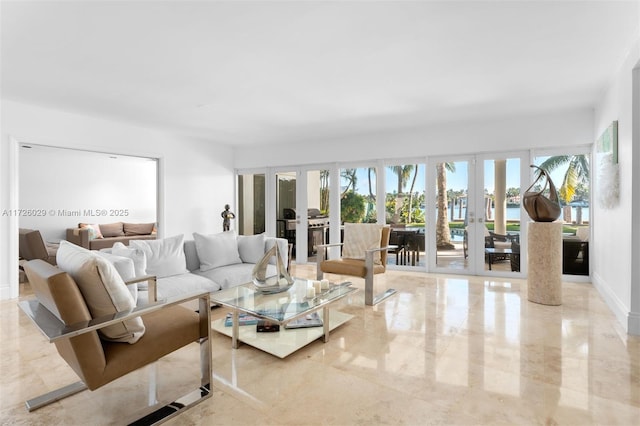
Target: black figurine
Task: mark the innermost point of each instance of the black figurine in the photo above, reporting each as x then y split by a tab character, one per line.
227	215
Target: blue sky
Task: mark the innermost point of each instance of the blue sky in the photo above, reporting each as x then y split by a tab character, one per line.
459	179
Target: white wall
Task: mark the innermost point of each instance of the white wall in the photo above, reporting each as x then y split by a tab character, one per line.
56	183
614	260
197	176
557	128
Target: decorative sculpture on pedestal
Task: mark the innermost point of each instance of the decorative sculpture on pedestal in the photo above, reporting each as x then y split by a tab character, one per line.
277	283
539	207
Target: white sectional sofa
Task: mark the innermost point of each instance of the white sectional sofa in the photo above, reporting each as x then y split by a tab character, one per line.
208	262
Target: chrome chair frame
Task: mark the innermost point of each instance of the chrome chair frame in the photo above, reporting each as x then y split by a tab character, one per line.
369	298
54	330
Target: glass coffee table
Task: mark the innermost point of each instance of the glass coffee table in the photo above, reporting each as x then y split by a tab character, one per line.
287	309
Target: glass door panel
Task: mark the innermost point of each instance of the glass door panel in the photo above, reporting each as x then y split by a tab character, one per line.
286	216
251	204
405	212
500	227
570	174
449	234
358	195
317	211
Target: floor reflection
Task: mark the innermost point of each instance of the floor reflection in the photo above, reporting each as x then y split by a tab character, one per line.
445	349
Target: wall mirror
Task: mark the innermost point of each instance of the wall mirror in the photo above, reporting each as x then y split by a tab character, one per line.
61	187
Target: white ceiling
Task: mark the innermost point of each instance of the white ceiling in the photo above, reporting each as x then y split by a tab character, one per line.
241	72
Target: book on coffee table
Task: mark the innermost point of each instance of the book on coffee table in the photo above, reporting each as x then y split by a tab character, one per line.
243	319
311	320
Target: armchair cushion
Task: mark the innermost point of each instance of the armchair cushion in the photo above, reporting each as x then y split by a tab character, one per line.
103	290
165	257
359	237
351	267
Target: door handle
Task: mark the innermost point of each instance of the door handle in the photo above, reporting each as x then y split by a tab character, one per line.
480	220
471	220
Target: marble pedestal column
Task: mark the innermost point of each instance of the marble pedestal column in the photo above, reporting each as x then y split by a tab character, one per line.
544	251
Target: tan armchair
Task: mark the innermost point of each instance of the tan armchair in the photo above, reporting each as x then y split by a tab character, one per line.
364	268
32	246
62	315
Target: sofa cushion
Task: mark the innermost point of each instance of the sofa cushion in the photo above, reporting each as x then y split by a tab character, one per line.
217	250
125	268
102	288
190	252
251	248
94	230
165	257
110	241
283	247
177	285
233	275
138	228
112	229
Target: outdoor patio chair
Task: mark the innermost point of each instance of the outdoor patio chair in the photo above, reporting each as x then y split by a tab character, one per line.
499	241
396	243
514	257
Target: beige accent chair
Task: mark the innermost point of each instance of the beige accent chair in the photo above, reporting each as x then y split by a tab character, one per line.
61	314
32	246
366	268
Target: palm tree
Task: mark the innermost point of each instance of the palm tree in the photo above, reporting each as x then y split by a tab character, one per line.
577	172
324	191
371	171
443	233
403	173
352	179
413	184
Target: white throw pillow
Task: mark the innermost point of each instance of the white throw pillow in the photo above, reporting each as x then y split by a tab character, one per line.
103	290
217	250
133	253
359	237
165	257
251	248
124	267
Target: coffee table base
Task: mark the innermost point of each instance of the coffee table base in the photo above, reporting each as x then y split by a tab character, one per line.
285	342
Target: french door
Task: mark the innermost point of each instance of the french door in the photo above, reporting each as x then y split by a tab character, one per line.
475	214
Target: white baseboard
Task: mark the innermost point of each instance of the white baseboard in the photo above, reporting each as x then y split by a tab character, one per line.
613	302
8	292
634	323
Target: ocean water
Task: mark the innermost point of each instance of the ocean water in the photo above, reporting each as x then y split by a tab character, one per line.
513	213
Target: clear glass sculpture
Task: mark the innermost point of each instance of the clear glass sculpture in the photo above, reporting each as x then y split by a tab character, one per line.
281	281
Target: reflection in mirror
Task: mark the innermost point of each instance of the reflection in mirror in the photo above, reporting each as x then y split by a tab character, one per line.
61	187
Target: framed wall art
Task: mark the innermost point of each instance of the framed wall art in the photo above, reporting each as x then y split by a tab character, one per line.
608	181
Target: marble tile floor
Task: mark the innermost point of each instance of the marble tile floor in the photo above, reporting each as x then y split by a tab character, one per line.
446	349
